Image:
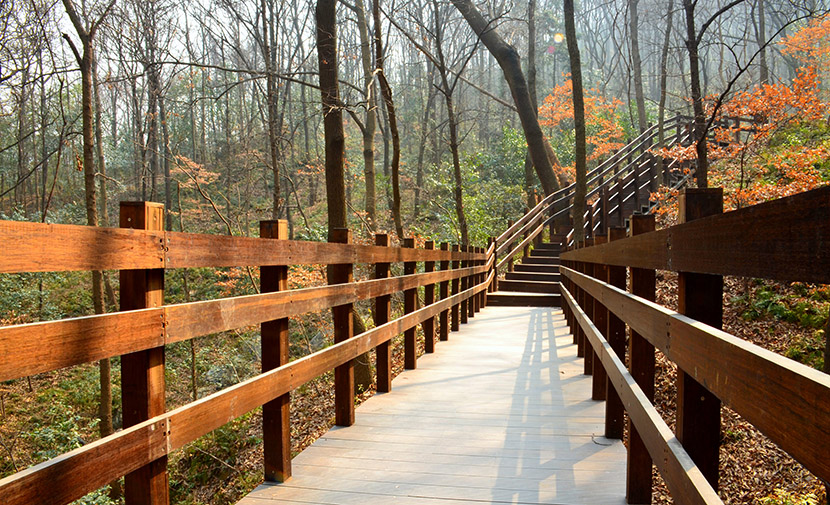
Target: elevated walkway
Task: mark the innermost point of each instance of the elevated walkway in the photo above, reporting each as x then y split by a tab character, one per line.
500	413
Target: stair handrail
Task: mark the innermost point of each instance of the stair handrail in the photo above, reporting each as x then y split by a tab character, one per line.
529	220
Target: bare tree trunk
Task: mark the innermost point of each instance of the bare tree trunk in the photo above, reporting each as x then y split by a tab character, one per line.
370	123
86	62
761	39
165	161
634	29
425	129
579	121
509	61
664	58
531	87
386	91
693	45
332	113
269	55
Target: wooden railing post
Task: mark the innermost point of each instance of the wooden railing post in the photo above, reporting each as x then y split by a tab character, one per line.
494	286
599	376
604	213
588	308
614	411
471	281
382	314
620	201
429	298
410	347
142	372
700	297
464	283
641	364
455	323
480	297
526	248
276	414
510	260
341	273
579	335
444	318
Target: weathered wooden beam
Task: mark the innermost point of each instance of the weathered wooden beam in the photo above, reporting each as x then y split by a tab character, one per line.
700	297
785	240
276	414
142	372
641	364
341	273
382	315
791	405
684	480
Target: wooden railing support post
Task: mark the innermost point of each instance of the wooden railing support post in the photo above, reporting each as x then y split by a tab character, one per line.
465	283
429	298
455	323
526	248
471	281
614	411
343	330
579	335
620	202
510	260
641	364
599	376
480	278
382	314
142	372
699	296
276	414
410	344
444	291
494	285
588	308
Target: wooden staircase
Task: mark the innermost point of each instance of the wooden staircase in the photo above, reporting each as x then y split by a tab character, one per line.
534	282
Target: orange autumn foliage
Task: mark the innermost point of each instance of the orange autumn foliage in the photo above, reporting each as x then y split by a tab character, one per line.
753	157
604	134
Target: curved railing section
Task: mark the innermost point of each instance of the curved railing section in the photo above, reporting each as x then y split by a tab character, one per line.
614	186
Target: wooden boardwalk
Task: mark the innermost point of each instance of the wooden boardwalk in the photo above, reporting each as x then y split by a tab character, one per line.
501	413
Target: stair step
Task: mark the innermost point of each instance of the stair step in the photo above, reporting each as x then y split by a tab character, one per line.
540	260
548	246
529	286
547	253
500	299
532	276
551	269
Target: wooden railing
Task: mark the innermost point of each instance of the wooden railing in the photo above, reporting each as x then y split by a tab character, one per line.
614	183
783	240
139	335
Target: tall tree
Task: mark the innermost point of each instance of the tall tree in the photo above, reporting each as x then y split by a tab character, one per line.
636	64
332	113
693	39
386	92
510	63
86	32
579	121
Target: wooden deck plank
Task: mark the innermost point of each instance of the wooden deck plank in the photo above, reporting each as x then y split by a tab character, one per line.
500	413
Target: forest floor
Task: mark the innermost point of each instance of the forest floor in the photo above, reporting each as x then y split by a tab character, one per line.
752	468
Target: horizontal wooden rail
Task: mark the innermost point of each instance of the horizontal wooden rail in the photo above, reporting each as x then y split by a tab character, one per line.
683	478
762	241
28	349
787	401
529	239
37	247
76	473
